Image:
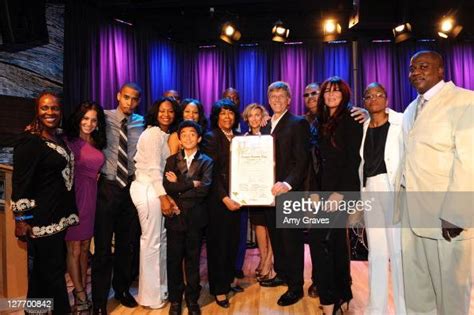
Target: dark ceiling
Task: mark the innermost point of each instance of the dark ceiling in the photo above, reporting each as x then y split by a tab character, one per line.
200	21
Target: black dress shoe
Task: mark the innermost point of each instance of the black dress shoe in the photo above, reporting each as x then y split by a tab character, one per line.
223	303
99	310
290	298
175	308
274	282
126	299
237	289
194	308
313	291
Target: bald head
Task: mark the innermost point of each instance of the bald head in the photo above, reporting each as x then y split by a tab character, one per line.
426	70
173	94
232	94
435	56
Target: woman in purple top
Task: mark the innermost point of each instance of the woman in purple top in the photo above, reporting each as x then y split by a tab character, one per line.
85	132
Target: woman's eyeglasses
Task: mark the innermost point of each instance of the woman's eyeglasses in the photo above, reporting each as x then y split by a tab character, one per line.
370	97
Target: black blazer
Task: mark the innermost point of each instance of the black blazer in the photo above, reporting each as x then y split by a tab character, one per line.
189	199
340	164
292	143
216	145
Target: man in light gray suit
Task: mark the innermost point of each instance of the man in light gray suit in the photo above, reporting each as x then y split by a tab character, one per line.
437	173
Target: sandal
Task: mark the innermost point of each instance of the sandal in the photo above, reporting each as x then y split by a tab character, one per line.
80	305
342	307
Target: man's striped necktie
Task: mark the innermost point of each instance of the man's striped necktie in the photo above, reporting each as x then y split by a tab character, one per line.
122	161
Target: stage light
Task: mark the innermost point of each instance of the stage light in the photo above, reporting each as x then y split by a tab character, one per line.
448	27
331	29
402	32
443	35
123	22
330	26
230	33
355	15
280	32
354	20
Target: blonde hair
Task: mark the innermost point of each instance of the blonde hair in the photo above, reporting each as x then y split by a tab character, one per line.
250	107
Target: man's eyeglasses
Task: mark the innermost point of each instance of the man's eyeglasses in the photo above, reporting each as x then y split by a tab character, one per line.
314	93
370	97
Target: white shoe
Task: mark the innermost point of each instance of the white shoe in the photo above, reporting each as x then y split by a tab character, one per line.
158	306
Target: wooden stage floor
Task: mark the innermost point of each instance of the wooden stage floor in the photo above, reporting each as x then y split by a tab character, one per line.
258	300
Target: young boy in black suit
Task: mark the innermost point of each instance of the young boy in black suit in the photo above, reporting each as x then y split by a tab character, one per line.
188	176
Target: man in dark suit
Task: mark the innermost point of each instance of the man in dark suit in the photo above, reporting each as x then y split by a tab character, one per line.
292	142
188	176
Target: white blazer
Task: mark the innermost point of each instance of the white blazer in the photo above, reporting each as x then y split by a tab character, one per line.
392	152
439	157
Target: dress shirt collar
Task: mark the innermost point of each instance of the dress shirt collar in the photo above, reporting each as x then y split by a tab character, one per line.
189	158
120	115
275	121
433	91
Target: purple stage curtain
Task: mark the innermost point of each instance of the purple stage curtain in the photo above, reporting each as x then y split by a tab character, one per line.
294	65
205	72
163	70
337	60
117	63
459	66
250	69
101	55
388	64
213	75
251	75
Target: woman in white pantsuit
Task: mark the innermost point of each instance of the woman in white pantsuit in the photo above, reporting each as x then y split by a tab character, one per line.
150	198
380	160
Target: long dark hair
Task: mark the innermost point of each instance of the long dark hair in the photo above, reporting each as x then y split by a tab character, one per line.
152	114
36	127
73	124
327	124
202	116
218	107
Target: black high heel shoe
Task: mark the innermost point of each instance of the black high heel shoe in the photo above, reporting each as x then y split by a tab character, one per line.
223	303
338	307
79	304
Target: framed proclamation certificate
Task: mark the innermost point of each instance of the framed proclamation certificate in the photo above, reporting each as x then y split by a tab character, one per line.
252	170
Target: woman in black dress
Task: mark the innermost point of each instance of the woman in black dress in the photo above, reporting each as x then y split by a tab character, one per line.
223	230
253	115
339	138
43	201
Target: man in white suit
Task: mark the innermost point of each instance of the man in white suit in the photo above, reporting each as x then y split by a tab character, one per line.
437	173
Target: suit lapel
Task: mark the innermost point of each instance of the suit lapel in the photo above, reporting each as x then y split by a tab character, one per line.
364	135
431	106
182	167
194	165
281	124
